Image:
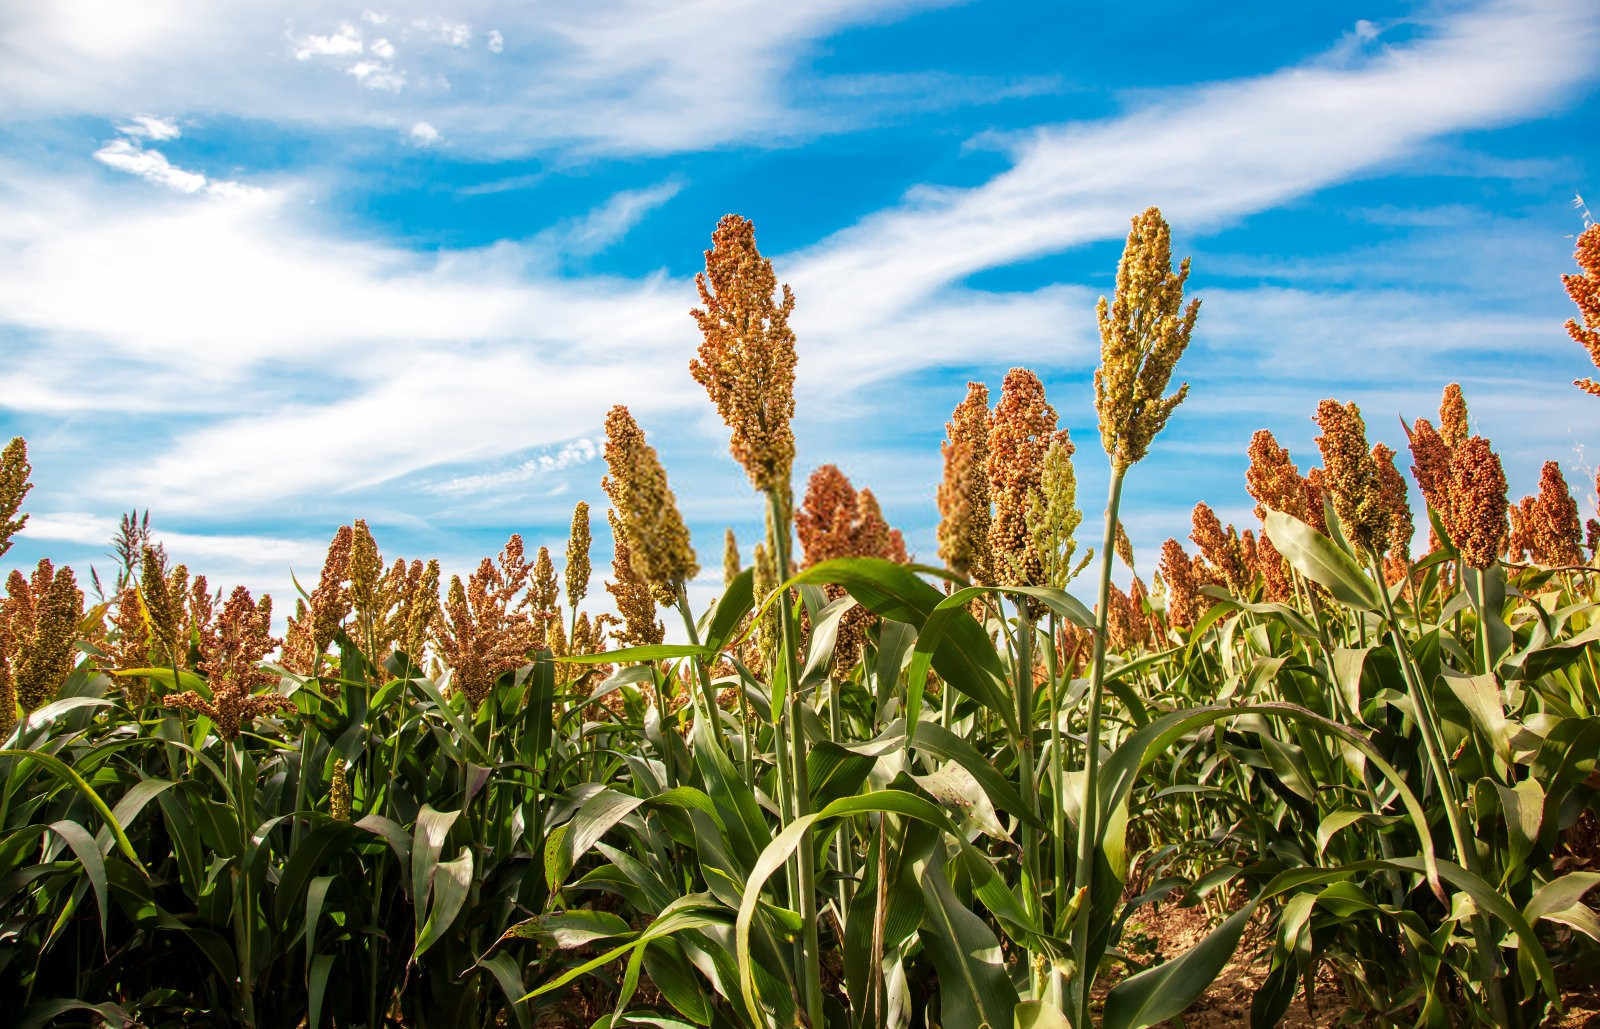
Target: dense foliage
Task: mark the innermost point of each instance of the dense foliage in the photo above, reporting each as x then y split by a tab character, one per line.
865	792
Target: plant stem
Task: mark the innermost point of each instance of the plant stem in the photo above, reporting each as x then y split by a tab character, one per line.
1088	829
1058	810
1433	750
805	872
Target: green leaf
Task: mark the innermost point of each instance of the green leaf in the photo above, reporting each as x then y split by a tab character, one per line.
735	602
1320	560
451	881
1157	994
88	855
1040	1014
1561	901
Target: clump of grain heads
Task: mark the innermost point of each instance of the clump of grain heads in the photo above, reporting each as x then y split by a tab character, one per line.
658	541
634	600
1545	526
1143	332
232	664
963	494
1353	479
746	359
1476	518
14	486
1053	517
480	634
578	543
1584	289
38	634
835	521
1020	432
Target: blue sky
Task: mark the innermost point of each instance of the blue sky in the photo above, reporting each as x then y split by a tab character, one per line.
268	268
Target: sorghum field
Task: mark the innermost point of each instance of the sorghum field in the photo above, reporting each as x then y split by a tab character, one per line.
865	791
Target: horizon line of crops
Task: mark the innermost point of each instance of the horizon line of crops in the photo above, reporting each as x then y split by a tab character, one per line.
853	797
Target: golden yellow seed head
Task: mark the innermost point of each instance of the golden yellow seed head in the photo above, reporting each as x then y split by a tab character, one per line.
1143	331
1352	475
658	540
730	559
633	596
578	542
339	792
1052	516
14	486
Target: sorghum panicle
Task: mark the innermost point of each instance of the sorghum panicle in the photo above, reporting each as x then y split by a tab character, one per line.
1272	478
1453	427
1221	547
1143	332
1020	432
633	596
1584	289
1352	475
1052	517
746	359
578	543
14	486
658	540
730	559
1477	518
1557	535
38	635
963	493
1183	590
232	664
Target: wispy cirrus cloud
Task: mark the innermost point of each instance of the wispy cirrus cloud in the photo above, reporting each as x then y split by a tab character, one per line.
442	335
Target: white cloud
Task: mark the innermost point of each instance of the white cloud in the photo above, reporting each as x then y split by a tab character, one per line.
127	155
608	223
144	126
382	48
424	134
377	75
578	452
627	76
453	33
150	165
346	41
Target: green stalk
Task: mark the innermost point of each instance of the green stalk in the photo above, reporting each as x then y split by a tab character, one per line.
1433	750
1088	829
805	873
1030	790
702	673
1058	810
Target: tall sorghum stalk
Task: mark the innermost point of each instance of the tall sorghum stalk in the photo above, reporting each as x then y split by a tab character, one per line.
799	785
1143	332
746	363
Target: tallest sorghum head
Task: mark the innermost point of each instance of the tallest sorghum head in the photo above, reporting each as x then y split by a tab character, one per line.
1584	289
746	361
964	493
658	541
1020	432
14	485
1143	332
